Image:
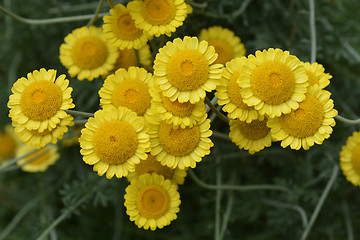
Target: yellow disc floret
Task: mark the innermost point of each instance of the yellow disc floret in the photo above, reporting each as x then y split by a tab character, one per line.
152	201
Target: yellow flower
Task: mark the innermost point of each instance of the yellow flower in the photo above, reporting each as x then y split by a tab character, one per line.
114	141
128	88
151	165
38	101
40	139
183	114
226	44
350	159
87	54
152	202
317	75
183	69
229	95
38	161
254	136
177	147
311	123
273	81
8	143
120	29
158	17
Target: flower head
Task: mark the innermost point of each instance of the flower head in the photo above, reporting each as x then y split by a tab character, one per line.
151	201
38	101
87	54
183	69
350	159
114	141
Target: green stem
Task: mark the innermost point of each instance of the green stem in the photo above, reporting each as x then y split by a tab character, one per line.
79	113
80	122
197	5
347	121
49	20
227	214
312	30
218	197
97	12
15	160
348	224
320	202
240	188
217	112
112	5
221	135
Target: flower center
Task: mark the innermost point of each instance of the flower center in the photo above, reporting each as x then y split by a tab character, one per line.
178	142
124	28
178	109
152	201
187	70
7	146
255	130
40	156
304	121
234	92
127	58
158	12
355	160
273	82
41	100
151	165
223	49
132	94
89	52
312	78
115	142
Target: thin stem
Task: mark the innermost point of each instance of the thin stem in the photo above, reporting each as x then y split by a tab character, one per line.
347	121
312	30
112	5
49	20
218	198
221	135
227	214
197	5
216	111
320	202
240	188
241	9
97	12
348	224
13	161
79	113
80	122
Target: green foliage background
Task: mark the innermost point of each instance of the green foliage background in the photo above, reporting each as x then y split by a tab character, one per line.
92	206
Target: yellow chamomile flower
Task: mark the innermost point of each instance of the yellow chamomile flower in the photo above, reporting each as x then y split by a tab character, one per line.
151	165
87	54
310	123
253	136
114	141
317	75
38	161
8	143
151	201
184	71
350	159
158	17
226	44
184	114
229	95
120	29
38	101
40	139
273	81
128	88
180	147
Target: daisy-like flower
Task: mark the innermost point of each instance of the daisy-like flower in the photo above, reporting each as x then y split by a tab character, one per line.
87	54
8	143
184	114
120	29
40	139
151	165
38	161
311	123
184	69
38	101
227	45
128	88
317	75
158	17
114	141
229	95
350	159
151	201
273	81
177	147
253	136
